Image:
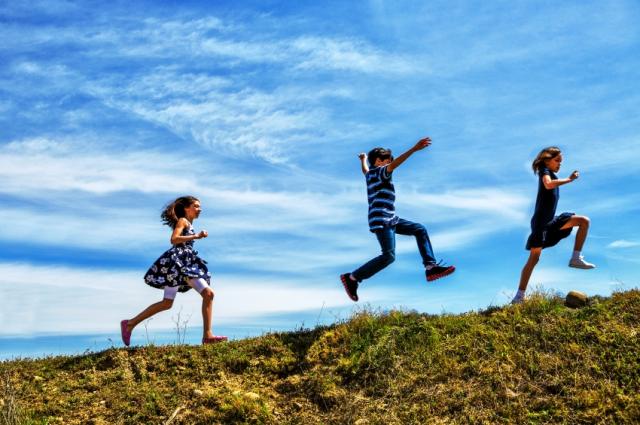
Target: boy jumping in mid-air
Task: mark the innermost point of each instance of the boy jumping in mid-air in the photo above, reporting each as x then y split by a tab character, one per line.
384	222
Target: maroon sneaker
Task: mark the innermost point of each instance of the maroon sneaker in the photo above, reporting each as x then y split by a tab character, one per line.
350	285
439	270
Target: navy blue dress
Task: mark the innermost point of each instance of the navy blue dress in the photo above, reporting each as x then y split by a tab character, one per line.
545	225
176	265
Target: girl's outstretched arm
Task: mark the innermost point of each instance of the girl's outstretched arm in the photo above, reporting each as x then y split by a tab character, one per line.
552	184
422	143
363	163
178	238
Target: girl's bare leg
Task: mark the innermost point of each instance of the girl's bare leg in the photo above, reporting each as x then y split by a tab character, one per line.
207	312
534	257
155	308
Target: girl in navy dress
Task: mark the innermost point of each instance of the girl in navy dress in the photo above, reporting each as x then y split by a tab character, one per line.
547	229
179	269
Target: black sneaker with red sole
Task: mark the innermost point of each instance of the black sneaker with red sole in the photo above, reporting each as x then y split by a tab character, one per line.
438	271
350	286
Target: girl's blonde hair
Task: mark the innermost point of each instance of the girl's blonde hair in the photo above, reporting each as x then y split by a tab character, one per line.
544	155
175	210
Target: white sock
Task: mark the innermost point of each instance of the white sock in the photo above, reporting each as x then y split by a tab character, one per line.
352	278
576	255
519	295
430	266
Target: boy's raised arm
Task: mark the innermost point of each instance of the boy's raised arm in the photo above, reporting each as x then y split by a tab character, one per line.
421	144
363	163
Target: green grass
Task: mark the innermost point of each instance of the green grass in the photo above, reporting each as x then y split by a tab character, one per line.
535	363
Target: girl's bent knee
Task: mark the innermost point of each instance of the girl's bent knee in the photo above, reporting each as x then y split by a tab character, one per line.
207	294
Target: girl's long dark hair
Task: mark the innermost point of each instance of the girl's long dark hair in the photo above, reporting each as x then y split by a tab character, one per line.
545	154
175	210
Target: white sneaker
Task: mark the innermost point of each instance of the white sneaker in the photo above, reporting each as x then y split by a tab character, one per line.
517	300
579	263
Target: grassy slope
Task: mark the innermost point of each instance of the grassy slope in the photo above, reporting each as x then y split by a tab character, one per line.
535	363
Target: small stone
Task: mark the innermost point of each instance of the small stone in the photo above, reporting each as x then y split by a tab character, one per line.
38	378
576	299
198	393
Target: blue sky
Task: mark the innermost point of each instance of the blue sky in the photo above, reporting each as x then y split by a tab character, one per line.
260	109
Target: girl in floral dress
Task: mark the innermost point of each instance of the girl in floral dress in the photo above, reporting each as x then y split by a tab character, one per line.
178	269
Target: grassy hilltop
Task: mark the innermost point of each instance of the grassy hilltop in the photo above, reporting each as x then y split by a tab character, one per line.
535	363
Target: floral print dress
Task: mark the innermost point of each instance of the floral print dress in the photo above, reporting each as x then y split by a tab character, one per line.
176	265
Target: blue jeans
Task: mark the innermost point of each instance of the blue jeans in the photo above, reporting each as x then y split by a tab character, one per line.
387	239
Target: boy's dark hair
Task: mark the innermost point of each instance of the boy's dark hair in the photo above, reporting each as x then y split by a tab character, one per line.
376	153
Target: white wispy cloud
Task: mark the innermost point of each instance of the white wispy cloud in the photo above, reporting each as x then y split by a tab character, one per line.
78	177
223	114
230	210
344	54
39	299
220	107
623	244
39	165
504	203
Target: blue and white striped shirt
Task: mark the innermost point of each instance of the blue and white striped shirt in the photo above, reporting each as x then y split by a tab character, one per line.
382	195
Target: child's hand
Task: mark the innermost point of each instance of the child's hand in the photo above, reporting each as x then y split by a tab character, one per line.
574	175
202	234
422	143
362	156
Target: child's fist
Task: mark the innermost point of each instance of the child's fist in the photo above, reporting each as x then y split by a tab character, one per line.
574	175
202	234
362	156
422	143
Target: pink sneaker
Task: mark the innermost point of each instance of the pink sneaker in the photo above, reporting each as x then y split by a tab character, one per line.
214	339
126	335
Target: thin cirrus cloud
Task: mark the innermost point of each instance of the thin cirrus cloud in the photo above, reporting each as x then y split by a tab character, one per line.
246	220
505	203
622	244
288	212
210	109
212	38
45	305
74	165
217	108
